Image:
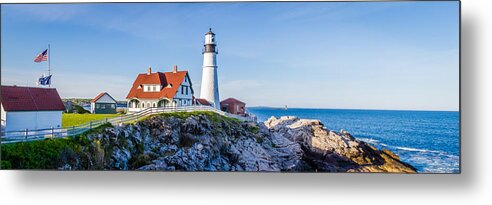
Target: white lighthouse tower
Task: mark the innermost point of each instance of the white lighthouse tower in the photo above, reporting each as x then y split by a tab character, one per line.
210	84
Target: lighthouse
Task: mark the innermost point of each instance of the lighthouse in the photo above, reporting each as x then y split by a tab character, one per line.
210	82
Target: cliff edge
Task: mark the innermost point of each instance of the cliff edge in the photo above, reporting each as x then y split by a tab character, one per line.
209	142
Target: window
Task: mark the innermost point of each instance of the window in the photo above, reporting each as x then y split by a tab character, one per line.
112	106
154	105
182	89
148	104
103	106
98	106
186	90
143	105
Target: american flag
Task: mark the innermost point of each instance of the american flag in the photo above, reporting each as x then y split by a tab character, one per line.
43	56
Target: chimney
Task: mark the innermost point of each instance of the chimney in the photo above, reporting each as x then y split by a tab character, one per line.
149	70
175	69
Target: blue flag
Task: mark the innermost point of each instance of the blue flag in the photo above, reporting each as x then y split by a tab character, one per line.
45	80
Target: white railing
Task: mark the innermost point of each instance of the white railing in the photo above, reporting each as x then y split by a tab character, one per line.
39	134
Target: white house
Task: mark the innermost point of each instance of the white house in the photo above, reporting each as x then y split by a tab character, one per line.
30	108
103	104
160	89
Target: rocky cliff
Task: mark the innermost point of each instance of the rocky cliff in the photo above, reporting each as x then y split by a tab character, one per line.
209	142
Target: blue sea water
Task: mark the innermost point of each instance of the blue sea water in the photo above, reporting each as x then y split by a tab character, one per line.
428	140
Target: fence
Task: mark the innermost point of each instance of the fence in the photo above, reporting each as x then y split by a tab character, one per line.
39	134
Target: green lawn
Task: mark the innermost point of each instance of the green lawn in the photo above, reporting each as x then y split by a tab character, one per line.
73	119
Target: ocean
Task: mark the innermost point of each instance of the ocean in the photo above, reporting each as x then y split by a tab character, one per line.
428	140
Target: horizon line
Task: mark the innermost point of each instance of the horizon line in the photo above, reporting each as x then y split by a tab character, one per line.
372	109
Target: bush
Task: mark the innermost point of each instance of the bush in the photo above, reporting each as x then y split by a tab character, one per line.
53	153
79	109
44	154
139	161
5	165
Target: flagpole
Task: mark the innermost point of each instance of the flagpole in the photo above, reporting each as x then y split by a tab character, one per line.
49	63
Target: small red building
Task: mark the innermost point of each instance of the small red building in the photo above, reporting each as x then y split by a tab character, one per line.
233	106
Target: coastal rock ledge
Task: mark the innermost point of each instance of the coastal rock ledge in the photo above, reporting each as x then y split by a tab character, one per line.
209	142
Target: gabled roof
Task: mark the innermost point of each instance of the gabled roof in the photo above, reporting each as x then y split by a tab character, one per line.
16	98
231	101
101	95
170	82
203	101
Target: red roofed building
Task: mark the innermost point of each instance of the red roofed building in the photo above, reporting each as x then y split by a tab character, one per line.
202	101
160	89
233	106
30	108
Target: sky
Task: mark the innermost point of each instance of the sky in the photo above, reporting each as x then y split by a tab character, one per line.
355	55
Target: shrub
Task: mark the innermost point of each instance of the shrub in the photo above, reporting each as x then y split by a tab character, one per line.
139	161
5	165
44	154
80	109
258	138
50	153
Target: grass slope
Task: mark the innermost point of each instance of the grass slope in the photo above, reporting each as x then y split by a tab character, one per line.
50	153
73	119
44	154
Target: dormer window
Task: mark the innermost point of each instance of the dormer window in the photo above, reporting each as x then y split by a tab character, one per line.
152	88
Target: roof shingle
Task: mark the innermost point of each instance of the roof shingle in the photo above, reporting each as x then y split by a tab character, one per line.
16	98
101	95
170	82
232	101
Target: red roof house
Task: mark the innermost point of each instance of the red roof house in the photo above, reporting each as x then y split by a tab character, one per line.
160	89
233	106
30	107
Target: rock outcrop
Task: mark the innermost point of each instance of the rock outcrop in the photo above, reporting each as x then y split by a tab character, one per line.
208	142
330	151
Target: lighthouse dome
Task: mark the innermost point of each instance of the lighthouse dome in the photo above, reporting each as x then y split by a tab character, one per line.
210	32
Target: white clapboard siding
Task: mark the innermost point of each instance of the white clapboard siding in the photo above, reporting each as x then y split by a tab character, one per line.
32	120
